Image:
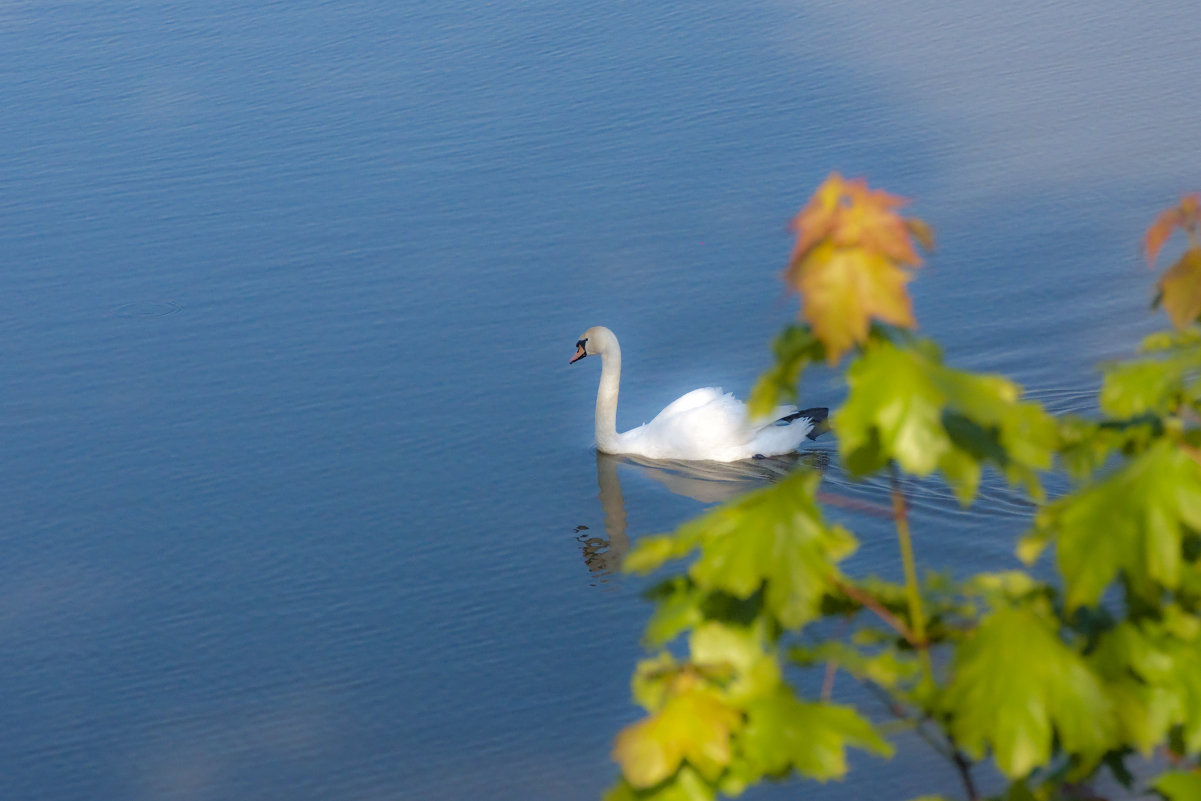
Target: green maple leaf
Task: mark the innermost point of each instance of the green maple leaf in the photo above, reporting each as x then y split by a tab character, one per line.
686	785
1133	521
894	411
1140	387
905	405
783	733
1180	786
755	672
1015	687
1154	671
773	539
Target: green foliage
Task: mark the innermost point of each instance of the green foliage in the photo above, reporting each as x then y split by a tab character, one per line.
1132	522
907	407
1014	684
772	540
1180	786
784	734
1055	679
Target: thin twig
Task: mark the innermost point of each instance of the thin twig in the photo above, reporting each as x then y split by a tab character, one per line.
917	618
828	681
868	602
918	721
855	504
965	772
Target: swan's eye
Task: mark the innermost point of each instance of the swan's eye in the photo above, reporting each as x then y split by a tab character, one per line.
581	345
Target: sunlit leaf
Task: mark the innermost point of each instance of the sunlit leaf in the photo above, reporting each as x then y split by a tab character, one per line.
754	671
851	262
843	289
1133	521
1154	671
653	680
894	411
694	725
1180	289
1183	216
773	539
1180	786
905	405
1143	386
783	734
651	552
1015	686
677	609
686	785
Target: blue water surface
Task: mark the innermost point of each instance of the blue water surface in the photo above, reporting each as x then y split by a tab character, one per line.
300	495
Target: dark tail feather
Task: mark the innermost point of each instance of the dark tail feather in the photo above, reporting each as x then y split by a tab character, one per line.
817	415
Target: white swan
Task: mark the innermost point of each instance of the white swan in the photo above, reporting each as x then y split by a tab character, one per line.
704	424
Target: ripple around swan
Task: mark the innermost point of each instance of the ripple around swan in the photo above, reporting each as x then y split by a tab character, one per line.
1065	400
147	308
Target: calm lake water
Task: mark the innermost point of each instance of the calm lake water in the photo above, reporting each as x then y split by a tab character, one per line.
296	474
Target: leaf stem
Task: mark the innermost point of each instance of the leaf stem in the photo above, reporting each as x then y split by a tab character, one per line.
965	772
917	617
868	602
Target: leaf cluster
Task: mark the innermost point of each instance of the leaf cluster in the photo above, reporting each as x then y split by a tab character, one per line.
1056	679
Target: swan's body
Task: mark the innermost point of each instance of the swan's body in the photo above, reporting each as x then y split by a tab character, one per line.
703	424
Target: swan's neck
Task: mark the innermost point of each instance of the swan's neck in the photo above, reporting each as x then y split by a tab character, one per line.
606	400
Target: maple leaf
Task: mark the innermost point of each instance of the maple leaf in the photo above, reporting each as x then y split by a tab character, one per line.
850	259
819	216
1180	289
1179	786
869	220
1133	522
1016	687
775	539
844	288
1185	216
783	733
694	725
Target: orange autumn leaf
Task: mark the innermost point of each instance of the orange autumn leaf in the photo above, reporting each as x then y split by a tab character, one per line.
1186	216
1180	289
850	259
920	231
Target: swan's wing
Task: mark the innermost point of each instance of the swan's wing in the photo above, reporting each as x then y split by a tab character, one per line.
704	424
693	400
710	424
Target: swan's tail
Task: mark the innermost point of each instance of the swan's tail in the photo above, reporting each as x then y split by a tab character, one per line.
817	415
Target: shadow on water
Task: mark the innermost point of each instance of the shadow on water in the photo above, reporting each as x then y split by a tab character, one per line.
707	482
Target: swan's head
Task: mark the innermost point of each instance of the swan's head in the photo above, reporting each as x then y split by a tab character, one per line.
595	341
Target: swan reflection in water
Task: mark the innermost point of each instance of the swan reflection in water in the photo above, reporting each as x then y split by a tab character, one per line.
707	482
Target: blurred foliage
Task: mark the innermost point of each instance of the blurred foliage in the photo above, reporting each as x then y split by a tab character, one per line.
1095	671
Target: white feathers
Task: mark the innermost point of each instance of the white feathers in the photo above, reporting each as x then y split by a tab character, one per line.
703	424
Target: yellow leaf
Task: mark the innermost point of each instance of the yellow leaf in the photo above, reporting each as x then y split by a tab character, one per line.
695	725
842	289
1180	289
851	261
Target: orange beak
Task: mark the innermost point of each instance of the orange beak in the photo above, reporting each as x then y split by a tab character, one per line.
579	354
